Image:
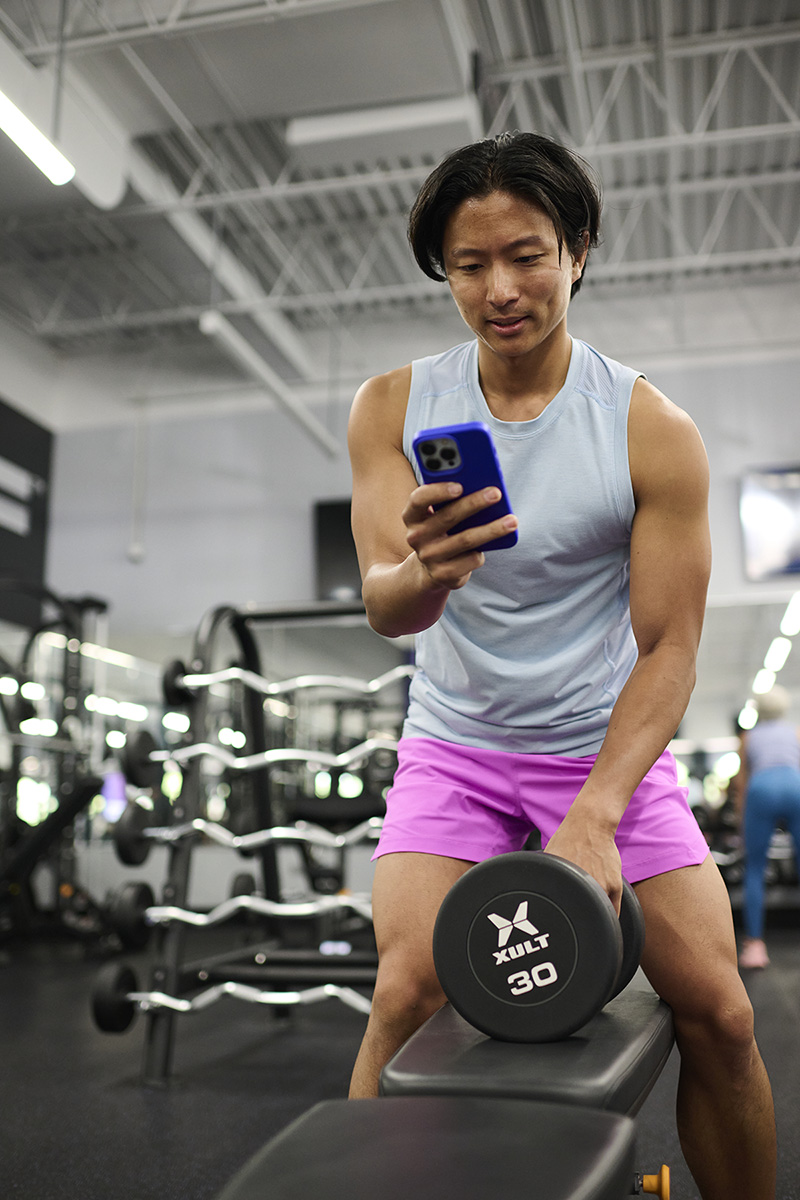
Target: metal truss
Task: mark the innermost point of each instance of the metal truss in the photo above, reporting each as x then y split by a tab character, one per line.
695	134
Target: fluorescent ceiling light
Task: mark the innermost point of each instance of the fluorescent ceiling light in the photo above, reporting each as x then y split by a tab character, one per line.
764	682
31	141
748	717
790	625
778	653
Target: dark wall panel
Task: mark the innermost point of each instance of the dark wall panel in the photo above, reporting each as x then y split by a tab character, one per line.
25	462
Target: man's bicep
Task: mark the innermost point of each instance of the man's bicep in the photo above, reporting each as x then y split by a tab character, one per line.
382	481
670	541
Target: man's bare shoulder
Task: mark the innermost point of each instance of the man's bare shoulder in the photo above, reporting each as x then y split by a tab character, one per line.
653	412
379	407
391	387
665	446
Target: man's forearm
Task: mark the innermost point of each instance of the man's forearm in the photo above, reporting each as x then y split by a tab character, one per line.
645	718
400	598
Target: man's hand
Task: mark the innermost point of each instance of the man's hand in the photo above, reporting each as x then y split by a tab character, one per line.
591	846
431	512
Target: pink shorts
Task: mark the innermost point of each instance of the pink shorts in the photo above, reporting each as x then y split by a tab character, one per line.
469	803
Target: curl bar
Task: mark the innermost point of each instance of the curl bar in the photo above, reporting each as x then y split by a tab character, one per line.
243	991
162	914
344	683
133	836
265	758
301	832
116	999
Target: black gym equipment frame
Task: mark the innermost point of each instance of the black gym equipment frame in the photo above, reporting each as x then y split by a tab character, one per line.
169	973
21	849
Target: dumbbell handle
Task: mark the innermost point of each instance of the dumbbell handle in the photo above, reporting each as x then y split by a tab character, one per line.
654	1185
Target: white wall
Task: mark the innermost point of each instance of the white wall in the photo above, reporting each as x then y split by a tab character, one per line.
225	517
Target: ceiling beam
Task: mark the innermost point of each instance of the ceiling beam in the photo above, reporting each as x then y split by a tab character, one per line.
688	46
373	297
181	25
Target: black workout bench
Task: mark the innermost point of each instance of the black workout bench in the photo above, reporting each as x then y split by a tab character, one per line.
611	1063
466	1117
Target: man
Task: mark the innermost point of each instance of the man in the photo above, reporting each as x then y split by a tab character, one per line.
552	675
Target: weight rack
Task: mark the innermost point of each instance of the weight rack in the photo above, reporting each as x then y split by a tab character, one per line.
225	974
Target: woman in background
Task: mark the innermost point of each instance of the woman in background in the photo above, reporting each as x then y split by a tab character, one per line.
769	788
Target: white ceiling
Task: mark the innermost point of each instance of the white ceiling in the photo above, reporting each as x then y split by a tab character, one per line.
268	152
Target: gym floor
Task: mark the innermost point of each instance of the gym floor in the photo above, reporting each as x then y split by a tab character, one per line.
77	1122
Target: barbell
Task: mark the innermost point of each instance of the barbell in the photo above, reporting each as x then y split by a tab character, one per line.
528	947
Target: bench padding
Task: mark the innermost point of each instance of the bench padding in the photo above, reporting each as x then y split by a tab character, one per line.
611	1063
442	1148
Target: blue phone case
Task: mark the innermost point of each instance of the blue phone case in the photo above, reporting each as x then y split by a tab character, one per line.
465	454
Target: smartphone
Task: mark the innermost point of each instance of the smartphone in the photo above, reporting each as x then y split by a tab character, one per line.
465	454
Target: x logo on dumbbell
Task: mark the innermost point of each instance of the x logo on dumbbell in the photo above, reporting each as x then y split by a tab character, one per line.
519	921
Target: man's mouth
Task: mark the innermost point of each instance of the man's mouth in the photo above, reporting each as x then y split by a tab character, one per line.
507	325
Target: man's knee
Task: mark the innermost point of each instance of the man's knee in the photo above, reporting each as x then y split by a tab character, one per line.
721	1030
404	997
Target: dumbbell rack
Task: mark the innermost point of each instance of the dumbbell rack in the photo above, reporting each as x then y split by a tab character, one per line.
170	975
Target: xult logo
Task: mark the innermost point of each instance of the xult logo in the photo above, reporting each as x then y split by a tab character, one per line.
505	928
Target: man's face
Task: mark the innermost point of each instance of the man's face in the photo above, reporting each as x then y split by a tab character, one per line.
502	263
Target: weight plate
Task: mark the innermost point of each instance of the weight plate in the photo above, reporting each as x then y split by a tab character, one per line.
527	947
137	765
132	849
631	919
126	913
113	1012
175	694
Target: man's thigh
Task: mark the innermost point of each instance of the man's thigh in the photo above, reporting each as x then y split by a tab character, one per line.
690	948
407	892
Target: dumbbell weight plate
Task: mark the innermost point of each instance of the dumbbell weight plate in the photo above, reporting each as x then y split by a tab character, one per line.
175	694
113	1012
527	947
631	919
132	849
126	914
137	765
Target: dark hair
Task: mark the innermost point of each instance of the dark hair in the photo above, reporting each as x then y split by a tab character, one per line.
528	165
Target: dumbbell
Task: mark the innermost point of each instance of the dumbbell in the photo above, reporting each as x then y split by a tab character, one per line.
137	766
127	834
126	910
528	948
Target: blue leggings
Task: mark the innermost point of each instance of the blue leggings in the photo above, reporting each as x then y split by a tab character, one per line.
773	795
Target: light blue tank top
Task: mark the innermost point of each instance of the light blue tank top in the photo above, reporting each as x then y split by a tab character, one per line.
532	653
772	744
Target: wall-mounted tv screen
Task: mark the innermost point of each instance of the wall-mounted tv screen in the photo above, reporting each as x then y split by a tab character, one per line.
338	576
769	510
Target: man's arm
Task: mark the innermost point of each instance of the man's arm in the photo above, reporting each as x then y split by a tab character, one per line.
409	564
670	566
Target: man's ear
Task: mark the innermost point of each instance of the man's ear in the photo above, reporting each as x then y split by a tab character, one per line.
579	260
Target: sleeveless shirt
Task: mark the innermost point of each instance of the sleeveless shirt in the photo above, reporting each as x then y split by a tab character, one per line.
532	653
772	744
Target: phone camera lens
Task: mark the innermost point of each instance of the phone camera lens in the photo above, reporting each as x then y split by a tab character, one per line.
448	453
434	464
428	448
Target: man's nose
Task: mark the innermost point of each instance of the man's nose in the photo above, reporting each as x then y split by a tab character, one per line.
503	287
